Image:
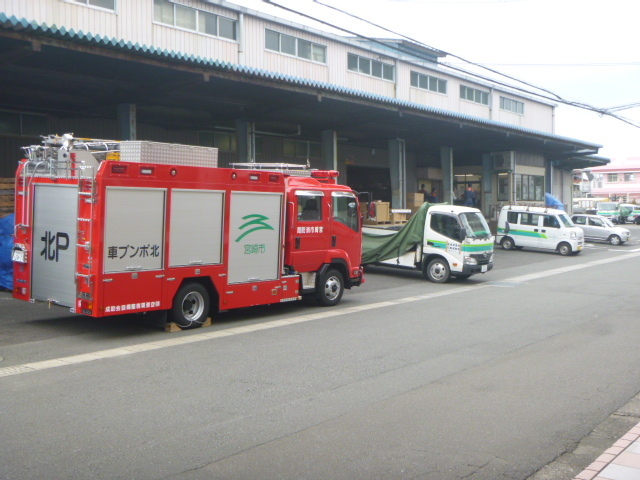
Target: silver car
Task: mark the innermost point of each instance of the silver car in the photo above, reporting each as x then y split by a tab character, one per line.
599	228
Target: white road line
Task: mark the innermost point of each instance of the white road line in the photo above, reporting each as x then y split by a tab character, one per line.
201	337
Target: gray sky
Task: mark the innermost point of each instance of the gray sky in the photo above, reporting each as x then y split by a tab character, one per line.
582	50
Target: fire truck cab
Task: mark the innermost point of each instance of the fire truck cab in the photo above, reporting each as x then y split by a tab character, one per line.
107	227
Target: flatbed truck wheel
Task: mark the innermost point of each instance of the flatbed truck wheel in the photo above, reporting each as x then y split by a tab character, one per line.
437	271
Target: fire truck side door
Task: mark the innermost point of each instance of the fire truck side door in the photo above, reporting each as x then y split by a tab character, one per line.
345	225
55	229
255	236
133	249
311	233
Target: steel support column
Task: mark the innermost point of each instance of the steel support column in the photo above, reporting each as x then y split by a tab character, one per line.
446	163
127	121
398	171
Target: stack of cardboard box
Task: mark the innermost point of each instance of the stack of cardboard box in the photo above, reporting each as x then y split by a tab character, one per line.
400	215
414	201
382	213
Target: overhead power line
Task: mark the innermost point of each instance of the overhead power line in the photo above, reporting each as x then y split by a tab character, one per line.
548	94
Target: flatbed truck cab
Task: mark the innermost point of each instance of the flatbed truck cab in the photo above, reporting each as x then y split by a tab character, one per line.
439	240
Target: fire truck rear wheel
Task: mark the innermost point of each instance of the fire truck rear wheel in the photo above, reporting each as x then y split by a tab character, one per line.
190	306
330	288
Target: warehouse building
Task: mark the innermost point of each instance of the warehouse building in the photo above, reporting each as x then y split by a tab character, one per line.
385	113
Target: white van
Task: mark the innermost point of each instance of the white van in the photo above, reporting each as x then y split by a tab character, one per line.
524	226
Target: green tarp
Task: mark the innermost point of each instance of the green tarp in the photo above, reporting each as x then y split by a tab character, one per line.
376	248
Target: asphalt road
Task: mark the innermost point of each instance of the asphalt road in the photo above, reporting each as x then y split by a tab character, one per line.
490	378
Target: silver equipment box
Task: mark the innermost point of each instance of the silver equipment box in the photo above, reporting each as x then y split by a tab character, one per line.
139	151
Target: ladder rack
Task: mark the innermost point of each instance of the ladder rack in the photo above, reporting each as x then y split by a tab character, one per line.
292	169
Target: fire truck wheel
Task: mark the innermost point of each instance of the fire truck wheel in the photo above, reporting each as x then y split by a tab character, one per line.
190	306
330	288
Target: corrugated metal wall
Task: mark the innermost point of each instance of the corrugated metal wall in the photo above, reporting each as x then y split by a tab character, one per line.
134	22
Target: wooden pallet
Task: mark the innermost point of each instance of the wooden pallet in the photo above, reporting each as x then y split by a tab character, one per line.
7	199
174	327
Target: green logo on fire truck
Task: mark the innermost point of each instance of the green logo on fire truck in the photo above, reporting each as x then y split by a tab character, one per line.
257	222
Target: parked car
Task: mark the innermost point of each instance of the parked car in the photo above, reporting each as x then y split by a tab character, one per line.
599	228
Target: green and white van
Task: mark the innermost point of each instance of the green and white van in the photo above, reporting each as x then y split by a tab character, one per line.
610	210
629	212
538	227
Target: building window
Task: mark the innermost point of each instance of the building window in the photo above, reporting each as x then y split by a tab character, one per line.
597	180
503	187
427	82
511	105
530	188
612	177
629	177
297	47
195	20
474	95
367	66
106	4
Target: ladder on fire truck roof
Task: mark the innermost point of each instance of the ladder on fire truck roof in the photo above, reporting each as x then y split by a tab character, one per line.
292	169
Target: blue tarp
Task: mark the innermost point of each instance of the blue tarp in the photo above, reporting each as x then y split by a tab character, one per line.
553	202
6	244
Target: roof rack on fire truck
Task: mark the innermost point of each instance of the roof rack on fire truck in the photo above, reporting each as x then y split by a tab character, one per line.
53	156
292	169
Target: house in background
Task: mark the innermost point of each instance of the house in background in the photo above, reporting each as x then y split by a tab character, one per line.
618	181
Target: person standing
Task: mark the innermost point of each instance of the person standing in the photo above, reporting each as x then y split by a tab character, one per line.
470	197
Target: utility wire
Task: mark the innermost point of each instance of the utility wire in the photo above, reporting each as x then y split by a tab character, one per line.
550	94
553	94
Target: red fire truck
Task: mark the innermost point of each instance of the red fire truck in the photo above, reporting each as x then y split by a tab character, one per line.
108	227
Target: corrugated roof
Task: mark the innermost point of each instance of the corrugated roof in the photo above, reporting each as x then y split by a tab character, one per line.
81	37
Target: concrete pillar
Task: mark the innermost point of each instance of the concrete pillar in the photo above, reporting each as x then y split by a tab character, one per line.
329	151
398	171
127	121
246	141
446	163
411	176
487	184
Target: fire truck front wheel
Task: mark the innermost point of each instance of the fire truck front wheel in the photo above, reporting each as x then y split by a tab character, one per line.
330	288
190	306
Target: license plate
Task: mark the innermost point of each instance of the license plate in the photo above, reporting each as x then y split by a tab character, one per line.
483	269
579	247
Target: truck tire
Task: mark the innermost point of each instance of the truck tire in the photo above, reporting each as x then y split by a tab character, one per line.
437	271
190	306
330	288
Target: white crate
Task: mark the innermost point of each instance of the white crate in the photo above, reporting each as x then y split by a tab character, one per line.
139	151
